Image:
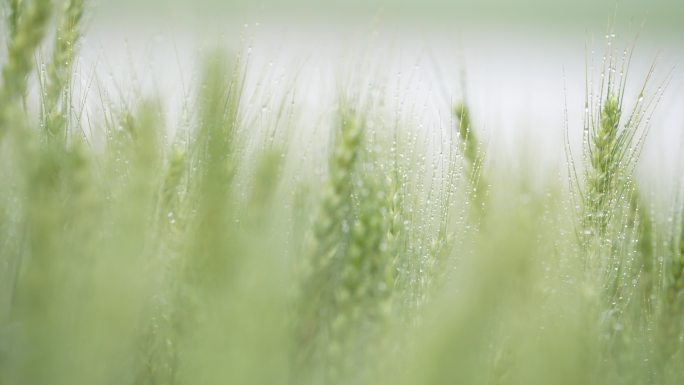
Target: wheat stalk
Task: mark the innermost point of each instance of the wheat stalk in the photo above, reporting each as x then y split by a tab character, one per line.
59	70
30	29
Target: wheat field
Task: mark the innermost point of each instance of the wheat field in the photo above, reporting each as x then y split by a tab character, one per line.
228	238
